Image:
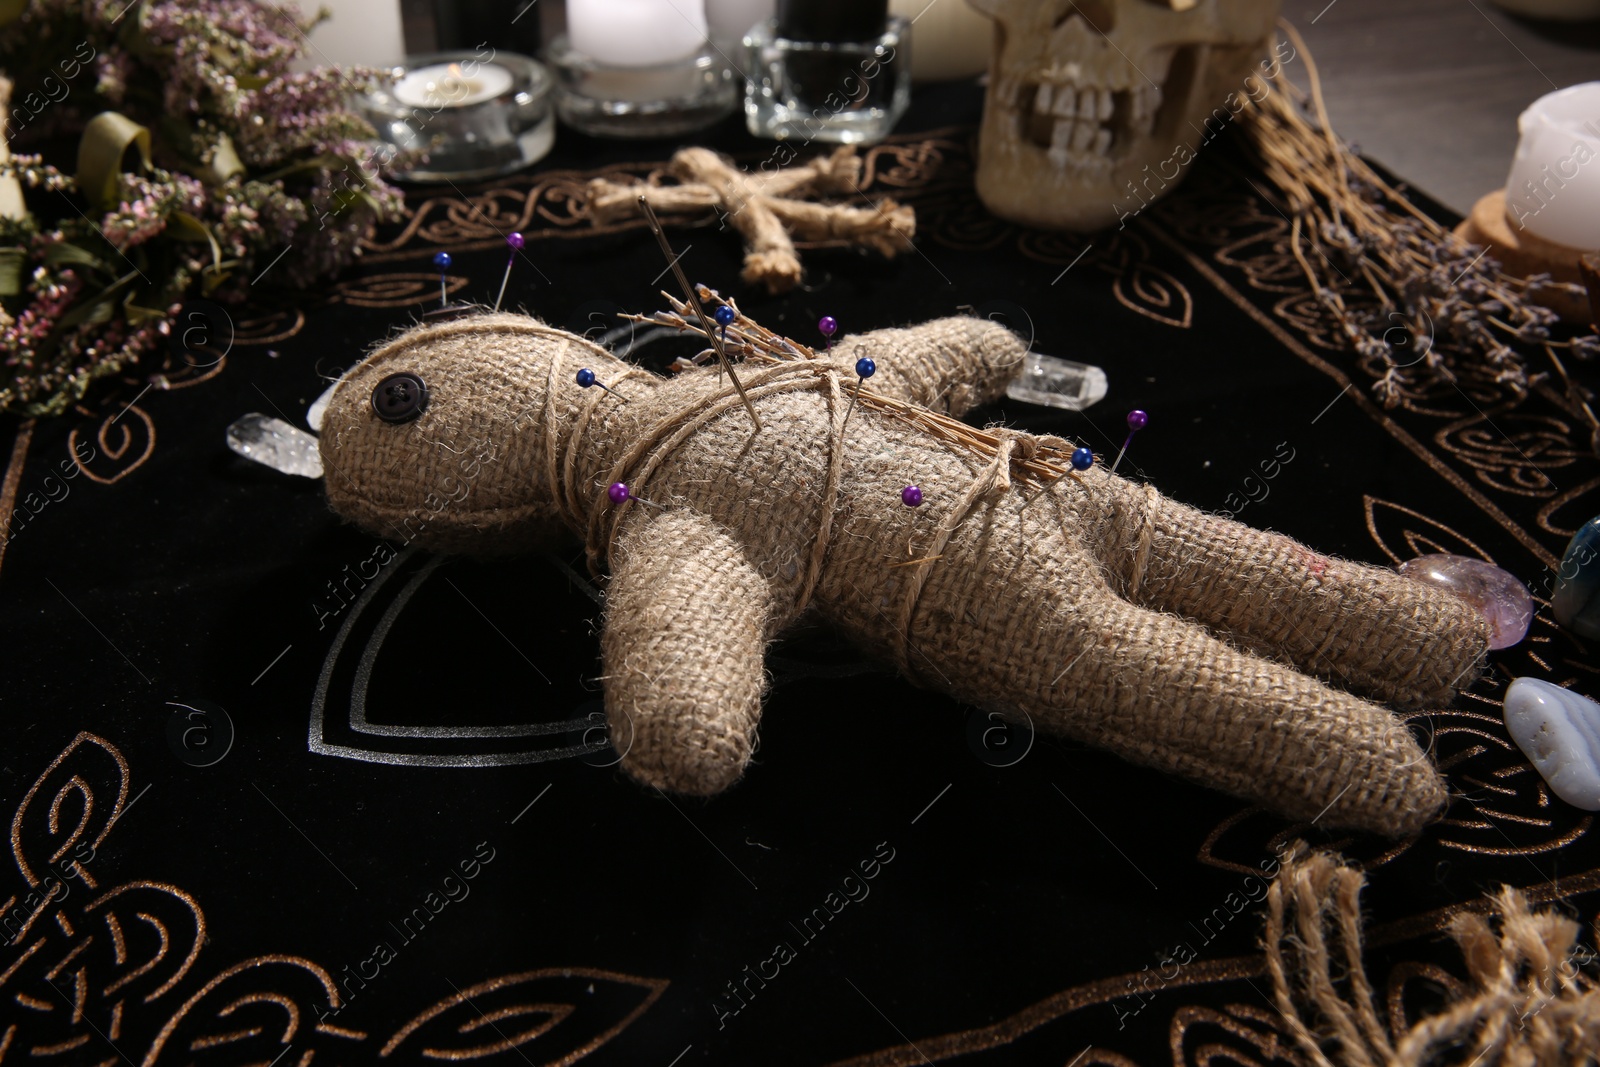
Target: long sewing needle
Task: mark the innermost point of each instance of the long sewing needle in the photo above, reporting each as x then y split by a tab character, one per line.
700	312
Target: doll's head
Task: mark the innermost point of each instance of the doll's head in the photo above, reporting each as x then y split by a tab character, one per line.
439	436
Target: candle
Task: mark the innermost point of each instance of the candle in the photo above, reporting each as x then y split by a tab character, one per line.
361	33
637	33
450	85
948	41
1554	188
730	20
11	205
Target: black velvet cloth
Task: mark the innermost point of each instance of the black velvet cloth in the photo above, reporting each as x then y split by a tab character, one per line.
305	768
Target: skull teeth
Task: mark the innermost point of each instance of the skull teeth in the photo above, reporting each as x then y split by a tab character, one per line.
1074	124
1081	141
1077	125
1146	101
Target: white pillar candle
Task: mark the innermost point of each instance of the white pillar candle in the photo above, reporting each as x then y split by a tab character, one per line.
949	39
448	85
364	33
1554	188
636	33
730	20
11	205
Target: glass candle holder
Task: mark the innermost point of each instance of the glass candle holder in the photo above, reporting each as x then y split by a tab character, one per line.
642	100
844	92
475	115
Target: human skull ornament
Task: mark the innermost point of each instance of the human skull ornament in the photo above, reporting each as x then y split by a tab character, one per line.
1095	105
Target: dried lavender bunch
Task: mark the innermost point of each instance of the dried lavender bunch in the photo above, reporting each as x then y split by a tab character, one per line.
1425	312
233	158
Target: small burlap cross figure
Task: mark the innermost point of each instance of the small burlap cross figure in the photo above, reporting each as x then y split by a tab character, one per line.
768	208
1092	604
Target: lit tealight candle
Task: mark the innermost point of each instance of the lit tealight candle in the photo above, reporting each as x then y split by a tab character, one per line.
636	33
1554	188
448	85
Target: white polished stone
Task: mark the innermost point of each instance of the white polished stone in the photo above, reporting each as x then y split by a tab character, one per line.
1559	731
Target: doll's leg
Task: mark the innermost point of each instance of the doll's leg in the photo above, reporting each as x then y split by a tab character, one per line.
1163	692
682	697
950	365
1362	627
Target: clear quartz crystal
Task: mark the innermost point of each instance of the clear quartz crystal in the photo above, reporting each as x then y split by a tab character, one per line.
1058	383
274	443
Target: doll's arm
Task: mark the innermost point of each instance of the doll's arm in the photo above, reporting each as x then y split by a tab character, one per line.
682	700
950	365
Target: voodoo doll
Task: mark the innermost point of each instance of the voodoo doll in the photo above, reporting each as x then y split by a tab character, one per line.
1086	602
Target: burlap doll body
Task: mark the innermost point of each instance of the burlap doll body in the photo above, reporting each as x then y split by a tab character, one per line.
1068	600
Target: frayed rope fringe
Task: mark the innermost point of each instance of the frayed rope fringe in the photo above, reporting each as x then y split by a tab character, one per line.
1528	1002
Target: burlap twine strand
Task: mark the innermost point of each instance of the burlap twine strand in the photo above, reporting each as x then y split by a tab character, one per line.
566	487
1528	1003
655	447
1147	535
993	480
766	209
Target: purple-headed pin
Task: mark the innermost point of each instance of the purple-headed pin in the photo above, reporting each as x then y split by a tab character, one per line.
827	326
1137	420
911	496
514	242
621	494
442	261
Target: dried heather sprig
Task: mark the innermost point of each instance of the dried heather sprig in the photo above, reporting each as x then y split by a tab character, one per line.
262	158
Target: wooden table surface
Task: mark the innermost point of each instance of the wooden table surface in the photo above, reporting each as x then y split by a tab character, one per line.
1432	88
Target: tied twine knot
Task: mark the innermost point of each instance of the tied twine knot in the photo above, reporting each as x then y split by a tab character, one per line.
989	485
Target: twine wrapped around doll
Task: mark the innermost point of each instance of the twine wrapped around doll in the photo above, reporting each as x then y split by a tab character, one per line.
1528	1002
768	208
1089	603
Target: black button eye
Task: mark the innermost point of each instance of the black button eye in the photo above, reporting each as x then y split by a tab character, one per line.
399	398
